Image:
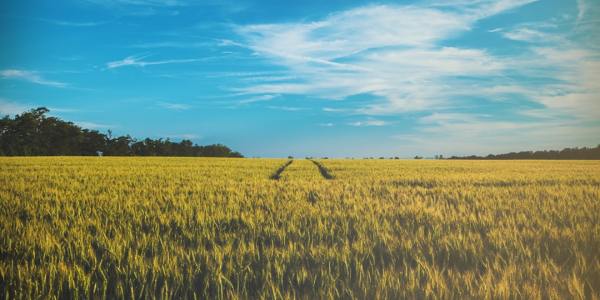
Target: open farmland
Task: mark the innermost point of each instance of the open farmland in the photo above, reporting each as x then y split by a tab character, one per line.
222	228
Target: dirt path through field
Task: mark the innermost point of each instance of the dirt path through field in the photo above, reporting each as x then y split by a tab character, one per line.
277	174
324	171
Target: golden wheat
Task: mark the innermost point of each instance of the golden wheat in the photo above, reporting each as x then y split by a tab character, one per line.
221	228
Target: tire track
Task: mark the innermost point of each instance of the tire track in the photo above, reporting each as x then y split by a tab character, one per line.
277	174
324	171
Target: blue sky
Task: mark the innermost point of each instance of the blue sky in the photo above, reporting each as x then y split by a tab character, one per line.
313	78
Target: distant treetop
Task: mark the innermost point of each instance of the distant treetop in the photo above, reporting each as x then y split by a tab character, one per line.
34	133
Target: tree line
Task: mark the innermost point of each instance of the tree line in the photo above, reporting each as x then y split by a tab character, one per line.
35	133
567	153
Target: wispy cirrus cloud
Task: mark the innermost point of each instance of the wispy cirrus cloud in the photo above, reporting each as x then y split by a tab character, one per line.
94	125
479	8
138	61
259	98
581	9
399	55
166	7
466	134
334	109
526	35
185	136
166	44
73	23
54	109
370	122
30	76
390	52
155	3
173	106
287	108
9	107
533	32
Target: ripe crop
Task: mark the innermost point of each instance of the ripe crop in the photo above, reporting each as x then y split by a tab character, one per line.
108	227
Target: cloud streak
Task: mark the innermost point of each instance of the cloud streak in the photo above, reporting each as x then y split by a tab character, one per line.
287	108
259	98
390	52
581	10
368	123
397	55
138	61
173	106
73	24
8	107
184	136
466	134
93	125
152	3
398	60
30	76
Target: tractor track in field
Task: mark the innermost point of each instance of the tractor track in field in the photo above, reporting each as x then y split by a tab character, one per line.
277	174
324	171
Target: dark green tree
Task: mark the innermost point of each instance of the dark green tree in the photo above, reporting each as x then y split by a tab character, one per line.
35	133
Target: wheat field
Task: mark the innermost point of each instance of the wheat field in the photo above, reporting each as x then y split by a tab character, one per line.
170	228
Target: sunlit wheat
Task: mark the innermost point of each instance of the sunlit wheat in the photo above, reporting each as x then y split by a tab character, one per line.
222	228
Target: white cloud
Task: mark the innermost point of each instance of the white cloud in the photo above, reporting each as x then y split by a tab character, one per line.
8	107
466	134
390	52
371	122
31	76
493	7
156	3
287	108
93	125
167	7
74	24
331	109
527	35
534	32
173	106
399	57
462	134
437	118
580	98
259	98
351	32
186	45
63	110
575	73
581	10
138	62
186	136
396	54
